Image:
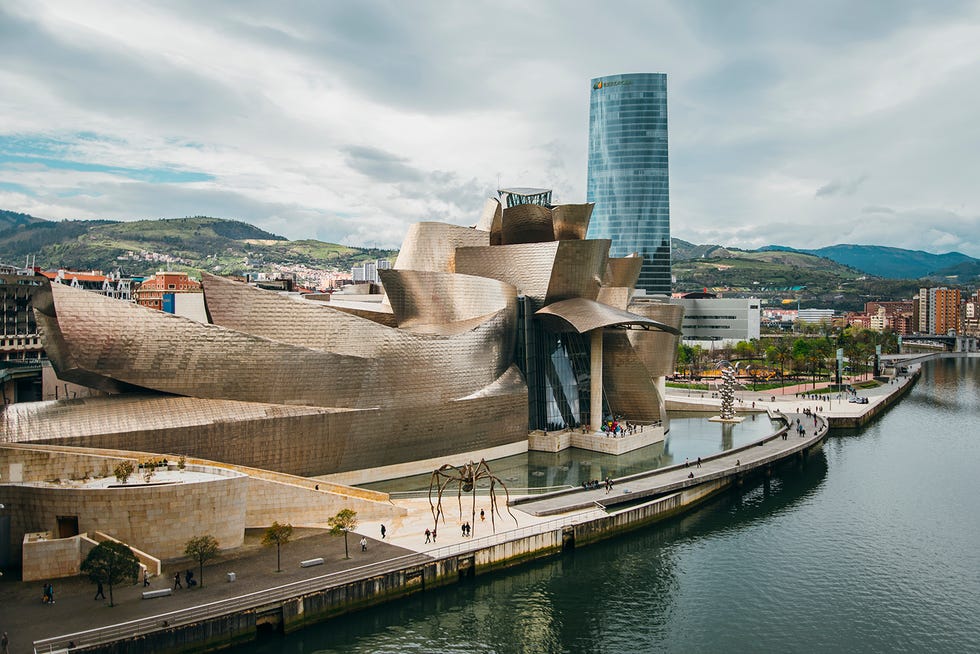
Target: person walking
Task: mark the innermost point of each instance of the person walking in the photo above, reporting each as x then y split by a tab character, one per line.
699	462
4	643
482	516
363	544
428	535
177	583
99	593
146	578
383	532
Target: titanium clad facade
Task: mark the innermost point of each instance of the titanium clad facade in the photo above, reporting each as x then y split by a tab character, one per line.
627	178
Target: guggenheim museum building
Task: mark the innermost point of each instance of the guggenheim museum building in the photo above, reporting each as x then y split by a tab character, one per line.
517	324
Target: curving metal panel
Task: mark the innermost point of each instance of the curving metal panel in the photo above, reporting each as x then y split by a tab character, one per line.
489	220
629	390
545	272
432	246
657	350
571	221
582	315
425	298
624	271
526	223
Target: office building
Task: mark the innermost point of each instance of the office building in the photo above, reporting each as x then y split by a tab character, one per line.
944	310
627	177
724	321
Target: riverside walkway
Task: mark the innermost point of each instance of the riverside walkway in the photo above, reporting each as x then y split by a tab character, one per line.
735	462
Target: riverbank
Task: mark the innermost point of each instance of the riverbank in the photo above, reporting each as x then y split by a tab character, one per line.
650	497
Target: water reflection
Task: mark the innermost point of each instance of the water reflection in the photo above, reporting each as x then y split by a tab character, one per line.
691	435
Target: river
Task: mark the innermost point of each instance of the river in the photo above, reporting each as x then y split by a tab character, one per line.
871	545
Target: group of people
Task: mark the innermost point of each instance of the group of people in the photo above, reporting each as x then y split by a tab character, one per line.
188	579
616	428
466	529
592	484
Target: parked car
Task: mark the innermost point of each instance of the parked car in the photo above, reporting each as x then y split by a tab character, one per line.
858	400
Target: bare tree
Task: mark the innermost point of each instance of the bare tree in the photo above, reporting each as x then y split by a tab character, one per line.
278	535
345	521
202	549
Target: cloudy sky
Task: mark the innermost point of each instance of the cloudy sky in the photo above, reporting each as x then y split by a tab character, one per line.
803	124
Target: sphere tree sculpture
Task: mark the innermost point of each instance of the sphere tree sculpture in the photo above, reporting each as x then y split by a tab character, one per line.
727	393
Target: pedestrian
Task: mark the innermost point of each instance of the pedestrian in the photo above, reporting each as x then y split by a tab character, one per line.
482	516
99	593
177	580
738	462
462	529
363	544
383	532
699	462
146	578
4	643
687	462
428	535
433	535
50	593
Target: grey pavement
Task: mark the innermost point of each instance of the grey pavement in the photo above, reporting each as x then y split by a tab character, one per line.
26	619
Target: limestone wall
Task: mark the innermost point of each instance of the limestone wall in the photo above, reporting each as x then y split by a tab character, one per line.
270	501
158	519
20	464
49	558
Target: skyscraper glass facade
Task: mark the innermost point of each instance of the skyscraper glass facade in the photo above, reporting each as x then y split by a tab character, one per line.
628	171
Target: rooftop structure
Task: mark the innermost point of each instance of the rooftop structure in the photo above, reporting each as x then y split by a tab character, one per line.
511	197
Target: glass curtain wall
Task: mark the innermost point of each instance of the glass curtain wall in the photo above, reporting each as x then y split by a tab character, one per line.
627	176
556	368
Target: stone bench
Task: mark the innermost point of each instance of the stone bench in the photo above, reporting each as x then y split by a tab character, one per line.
163	592
308	563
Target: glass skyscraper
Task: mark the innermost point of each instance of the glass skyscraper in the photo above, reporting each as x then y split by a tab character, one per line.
628	171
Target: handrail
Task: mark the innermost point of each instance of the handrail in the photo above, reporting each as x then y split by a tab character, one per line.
529	490
266	596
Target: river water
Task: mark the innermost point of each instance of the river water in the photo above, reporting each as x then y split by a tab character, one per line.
872	545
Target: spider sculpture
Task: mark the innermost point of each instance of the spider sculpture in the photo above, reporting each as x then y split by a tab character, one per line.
466	478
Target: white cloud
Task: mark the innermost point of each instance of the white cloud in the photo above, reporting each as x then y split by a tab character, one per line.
350	121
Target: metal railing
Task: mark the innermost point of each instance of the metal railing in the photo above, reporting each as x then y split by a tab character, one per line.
481	491
141	626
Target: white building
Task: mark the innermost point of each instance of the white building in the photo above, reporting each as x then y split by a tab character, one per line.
368	271
722	321
816	316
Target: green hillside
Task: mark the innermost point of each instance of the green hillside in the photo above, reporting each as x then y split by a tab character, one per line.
143	247
782	276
